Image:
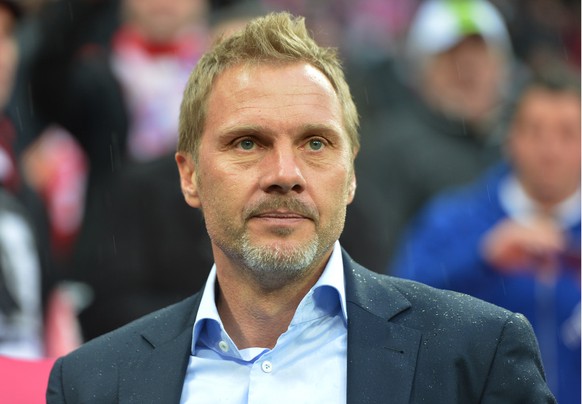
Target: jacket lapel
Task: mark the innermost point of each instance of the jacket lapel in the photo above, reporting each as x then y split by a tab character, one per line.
157	374
381	354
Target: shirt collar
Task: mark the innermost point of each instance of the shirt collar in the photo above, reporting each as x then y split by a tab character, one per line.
522	208
322	297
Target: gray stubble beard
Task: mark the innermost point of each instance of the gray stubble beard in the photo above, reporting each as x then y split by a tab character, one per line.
273	267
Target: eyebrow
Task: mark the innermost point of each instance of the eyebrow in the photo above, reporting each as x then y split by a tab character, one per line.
321	128
306	128
243	129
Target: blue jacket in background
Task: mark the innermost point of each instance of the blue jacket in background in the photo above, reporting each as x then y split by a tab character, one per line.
441	248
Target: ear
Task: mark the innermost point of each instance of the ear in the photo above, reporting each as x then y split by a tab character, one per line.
352	189
187	170
353	185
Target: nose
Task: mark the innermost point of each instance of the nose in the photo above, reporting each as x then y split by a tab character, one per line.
281	172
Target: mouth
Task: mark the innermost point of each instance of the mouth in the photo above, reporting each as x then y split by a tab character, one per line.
282	211
279	214
280	218
279	222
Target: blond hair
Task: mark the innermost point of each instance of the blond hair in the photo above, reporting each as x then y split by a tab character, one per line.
274	38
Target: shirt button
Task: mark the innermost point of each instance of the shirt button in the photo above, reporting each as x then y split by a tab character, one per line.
223	345
267	367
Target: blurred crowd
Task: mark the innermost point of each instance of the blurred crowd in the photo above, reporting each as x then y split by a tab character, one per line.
468	176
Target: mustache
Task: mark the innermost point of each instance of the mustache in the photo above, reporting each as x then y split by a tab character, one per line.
293	205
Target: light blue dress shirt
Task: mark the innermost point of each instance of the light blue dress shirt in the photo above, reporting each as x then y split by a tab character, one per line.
307	365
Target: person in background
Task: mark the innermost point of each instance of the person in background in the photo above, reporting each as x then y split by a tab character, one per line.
268	138
513	237
21	314
153	52
136	55
441	125
10	14
119	68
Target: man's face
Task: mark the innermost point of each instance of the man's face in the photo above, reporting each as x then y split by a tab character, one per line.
274	172
465	80
544	144
8	55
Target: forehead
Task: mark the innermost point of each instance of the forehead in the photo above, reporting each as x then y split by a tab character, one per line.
296	91
540	103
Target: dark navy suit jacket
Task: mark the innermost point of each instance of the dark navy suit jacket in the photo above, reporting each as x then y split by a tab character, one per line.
407	343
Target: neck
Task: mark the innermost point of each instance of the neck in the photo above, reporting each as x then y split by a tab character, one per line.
253	316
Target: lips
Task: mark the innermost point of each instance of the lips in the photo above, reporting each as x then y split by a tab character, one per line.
282	209
280	215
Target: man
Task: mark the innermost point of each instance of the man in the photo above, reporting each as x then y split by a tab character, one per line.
268	135
513	237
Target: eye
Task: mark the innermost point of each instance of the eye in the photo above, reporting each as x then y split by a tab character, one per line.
246	144
316	144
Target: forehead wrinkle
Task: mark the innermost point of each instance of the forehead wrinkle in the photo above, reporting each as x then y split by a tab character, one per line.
256	95
289	108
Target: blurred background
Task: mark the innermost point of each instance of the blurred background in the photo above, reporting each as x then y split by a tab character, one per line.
470	102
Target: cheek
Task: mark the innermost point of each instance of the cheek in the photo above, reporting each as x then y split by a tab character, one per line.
222	191
336	194
573	159
525	152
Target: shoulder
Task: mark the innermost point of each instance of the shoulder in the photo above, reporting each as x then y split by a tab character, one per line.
471	348
449	305
443	316
424	308
463	349
112	347
127	354
95	369
440	316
